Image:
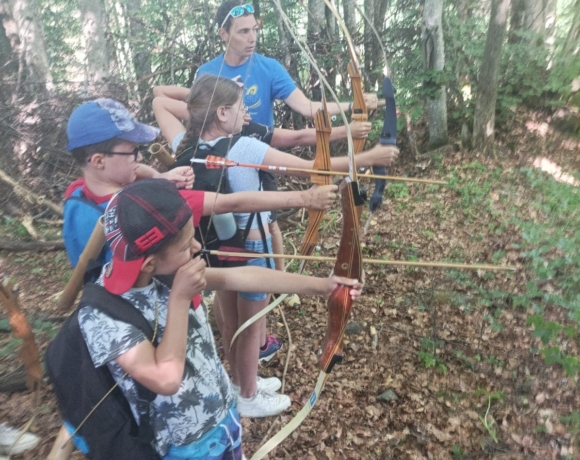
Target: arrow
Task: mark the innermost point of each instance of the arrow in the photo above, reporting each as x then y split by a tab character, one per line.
217	162
233	255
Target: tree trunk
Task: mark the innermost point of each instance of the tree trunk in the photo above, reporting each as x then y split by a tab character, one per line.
316	23
533	19
283	42
434	56
369	40
140	49
484	117
375	11
6	54
349	12
538	16
572	43
9	48
464	9
98	55
316	20
32	46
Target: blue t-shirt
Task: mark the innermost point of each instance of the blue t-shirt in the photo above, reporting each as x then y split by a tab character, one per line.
81	214
264	78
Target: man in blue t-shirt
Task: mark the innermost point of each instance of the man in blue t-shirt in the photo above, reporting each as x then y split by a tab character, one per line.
264	79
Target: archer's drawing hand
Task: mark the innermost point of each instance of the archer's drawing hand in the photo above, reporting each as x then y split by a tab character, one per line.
356	286
183	176
247	118
321	197
360	129
189	280
383	155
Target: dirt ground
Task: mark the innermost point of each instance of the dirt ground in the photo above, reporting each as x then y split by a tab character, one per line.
445	377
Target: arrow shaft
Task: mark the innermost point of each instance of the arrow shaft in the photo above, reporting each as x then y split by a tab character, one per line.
367	261
327	173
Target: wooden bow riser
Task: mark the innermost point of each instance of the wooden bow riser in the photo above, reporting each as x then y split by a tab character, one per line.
348	265
321	163
359	107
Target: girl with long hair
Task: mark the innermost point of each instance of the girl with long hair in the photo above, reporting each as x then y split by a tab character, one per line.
216	111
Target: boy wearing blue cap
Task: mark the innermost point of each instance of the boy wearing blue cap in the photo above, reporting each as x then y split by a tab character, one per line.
103	141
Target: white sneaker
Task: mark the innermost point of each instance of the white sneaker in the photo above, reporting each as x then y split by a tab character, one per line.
263	405
9	435
267	385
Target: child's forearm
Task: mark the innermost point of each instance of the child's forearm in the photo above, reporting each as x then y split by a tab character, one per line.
260	201
160	369
258	279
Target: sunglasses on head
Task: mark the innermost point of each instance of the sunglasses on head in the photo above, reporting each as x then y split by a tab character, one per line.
238	11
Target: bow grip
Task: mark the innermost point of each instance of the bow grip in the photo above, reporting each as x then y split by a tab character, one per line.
389	133
388	137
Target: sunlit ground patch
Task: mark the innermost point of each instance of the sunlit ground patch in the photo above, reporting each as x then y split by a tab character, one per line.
555	171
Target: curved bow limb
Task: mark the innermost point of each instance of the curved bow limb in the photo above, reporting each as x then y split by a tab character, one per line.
348	265
321	163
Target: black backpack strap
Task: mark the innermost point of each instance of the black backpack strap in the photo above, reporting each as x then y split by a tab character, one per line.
264	240
95	295
119	309
262	233
248	227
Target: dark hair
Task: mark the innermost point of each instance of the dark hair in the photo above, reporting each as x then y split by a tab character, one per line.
207	94
82	154
224	9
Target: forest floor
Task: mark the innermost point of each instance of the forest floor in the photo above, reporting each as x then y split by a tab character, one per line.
455	370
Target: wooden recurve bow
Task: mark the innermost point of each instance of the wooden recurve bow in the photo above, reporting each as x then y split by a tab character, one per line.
321	163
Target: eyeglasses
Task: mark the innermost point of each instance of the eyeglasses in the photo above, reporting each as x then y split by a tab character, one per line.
238	11
134	152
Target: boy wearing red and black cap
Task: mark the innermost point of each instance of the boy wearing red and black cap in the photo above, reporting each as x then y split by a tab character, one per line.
149	228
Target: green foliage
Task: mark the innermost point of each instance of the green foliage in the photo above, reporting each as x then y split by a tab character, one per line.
14	228
457	452
62	32
398	190
551	246
464	44
523	73
428	355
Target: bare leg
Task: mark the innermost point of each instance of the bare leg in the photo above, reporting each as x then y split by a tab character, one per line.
247	346
226	316
277	248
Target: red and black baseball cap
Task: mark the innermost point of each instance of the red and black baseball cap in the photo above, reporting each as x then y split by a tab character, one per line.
138	220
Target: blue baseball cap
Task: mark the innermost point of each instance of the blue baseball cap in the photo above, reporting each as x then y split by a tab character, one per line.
104	119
